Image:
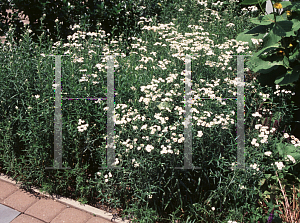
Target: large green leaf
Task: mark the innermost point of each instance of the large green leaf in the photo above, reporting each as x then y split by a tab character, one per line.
270	39
295	7
263	20
295	155
252	2
282	27
285	4
266	50
289	77
255	33
286	62
260	66
296	25
269	78
294	55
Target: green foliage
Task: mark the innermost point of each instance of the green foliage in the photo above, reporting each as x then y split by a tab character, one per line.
115	16
278	59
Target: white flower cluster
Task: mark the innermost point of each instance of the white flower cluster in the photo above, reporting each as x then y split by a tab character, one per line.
82	128
279	165
254	166
290	158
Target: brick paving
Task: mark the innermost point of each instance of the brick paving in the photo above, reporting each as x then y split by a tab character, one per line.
37	208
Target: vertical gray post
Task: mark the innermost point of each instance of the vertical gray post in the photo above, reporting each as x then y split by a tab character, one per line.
240	113
57	117
188	137
110	153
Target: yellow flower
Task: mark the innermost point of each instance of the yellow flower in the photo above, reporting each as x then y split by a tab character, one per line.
288	12
290	45
277	5
159	4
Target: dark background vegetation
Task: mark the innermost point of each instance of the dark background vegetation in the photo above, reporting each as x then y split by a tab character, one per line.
110	13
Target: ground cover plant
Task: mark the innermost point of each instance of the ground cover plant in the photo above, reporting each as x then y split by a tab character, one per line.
149	135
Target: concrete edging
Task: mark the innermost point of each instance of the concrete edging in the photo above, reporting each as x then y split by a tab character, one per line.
68	202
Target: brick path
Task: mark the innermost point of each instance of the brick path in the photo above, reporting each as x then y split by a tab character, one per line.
36	207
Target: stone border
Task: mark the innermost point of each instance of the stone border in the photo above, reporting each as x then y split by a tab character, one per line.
69	202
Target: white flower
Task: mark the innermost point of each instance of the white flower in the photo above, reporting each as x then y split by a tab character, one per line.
230	24
36	96
279	165
252	9
256	114
213	208
149	148
242	187
285	135
291	158
257	126
254	166
117	161
98	173
268	153
80	121
109	174
55	86
144	126
200	134
180	140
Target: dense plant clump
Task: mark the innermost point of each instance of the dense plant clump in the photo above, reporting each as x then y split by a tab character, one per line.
149	88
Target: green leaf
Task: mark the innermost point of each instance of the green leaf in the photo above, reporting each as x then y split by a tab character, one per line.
262	181
271	38
295	55
255	33
264	67
283	28
285	3
268	176
286	62
267	49
296	156
296	25
263	20
252	2
288	78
